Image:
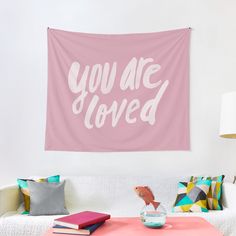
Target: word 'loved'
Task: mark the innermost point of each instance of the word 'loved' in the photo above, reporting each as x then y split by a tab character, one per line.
101	79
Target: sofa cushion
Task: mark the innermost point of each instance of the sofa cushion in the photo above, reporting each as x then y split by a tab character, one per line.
192	197
102	193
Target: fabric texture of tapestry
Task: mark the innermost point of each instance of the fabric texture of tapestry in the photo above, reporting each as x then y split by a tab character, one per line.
125	92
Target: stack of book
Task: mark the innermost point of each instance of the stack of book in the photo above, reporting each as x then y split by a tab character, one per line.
83	223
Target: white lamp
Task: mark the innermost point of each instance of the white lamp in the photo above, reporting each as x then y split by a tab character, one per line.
228	115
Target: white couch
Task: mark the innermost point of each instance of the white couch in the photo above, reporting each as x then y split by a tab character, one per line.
111	194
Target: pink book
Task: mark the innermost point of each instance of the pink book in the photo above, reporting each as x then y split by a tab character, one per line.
81	219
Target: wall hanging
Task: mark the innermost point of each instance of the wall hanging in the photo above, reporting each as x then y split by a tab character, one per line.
118	92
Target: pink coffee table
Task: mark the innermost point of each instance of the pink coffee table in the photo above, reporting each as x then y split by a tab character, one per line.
175	226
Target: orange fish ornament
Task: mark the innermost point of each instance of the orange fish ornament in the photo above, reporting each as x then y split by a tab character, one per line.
146	194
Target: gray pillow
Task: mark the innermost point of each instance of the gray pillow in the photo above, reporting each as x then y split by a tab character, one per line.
47	198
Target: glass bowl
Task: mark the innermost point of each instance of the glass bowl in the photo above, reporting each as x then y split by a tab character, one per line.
152	218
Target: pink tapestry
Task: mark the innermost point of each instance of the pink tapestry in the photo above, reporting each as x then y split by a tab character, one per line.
118	92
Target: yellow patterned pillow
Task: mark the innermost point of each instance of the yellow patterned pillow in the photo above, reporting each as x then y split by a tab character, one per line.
192	197
215	192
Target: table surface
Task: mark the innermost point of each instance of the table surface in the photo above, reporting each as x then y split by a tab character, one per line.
175	226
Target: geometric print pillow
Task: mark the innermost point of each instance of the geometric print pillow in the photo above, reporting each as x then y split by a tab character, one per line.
214	196
22	183
192	196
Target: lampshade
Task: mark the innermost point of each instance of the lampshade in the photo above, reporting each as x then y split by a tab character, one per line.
228	115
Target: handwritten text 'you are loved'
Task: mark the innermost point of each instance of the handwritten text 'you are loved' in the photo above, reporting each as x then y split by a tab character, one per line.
90	79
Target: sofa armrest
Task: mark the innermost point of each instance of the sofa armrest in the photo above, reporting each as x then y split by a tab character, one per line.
229	195
9	198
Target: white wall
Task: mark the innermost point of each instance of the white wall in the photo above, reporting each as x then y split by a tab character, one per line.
23	83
